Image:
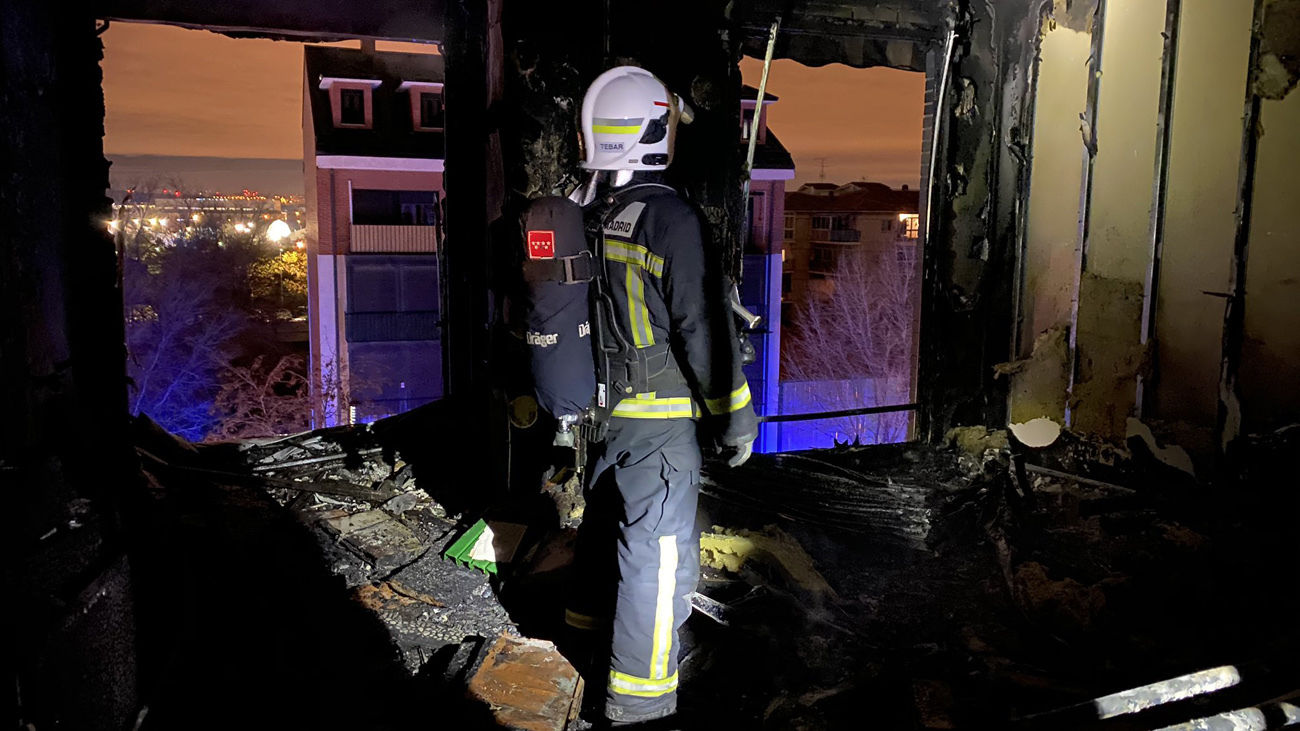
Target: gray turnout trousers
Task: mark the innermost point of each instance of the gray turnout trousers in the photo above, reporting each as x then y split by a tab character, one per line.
639	527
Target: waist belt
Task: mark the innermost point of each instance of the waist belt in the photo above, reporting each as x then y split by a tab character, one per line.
644	370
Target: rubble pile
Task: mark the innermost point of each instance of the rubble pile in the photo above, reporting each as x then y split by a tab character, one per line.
385	536
982	584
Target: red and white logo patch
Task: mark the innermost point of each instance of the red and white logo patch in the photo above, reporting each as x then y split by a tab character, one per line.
541	244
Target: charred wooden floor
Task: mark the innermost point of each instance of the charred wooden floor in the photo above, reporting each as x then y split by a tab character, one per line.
930	589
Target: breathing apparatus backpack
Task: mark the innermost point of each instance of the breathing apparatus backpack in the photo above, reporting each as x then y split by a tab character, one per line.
557	269
582	362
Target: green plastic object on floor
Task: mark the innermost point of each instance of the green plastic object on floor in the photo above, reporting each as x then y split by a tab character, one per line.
460	550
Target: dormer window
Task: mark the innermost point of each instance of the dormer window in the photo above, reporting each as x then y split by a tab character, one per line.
351	101
426	105
430	110
747	121
352	106
747	110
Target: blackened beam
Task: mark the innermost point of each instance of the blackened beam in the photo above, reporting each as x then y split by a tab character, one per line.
322	487
1274	714
837	414
1143	698
336	457
890	20
407	20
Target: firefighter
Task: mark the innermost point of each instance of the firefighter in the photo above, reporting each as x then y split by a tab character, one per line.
668	377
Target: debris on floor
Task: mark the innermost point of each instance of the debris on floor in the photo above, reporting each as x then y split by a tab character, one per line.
968	586
377	537
487	544
528	685
729	549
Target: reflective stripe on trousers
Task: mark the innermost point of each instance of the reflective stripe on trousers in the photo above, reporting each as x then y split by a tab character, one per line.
655	467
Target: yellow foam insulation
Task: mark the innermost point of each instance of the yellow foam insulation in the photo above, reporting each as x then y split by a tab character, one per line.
1039	382
728	549
975	440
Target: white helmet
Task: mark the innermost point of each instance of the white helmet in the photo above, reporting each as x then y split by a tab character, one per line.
629	120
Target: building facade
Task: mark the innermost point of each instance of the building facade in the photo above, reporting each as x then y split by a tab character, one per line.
373	163
760	288
824	221
850	301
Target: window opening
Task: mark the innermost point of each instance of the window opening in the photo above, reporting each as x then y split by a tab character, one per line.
352	106
431	110
849	277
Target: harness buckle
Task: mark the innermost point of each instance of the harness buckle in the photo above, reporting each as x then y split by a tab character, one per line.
578	269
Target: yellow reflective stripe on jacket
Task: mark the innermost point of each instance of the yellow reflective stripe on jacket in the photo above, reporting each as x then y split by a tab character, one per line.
738	399
625	684
636	259
630	253
663	632
637	407
638	315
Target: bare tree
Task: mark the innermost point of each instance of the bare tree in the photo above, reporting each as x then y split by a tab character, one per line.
201	290
182	330
851	346
257	401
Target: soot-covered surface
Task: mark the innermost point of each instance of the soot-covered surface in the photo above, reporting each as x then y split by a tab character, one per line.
885	587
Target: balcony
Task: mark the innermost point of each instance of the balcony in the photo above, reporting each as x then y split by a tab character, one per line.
373	239
837	236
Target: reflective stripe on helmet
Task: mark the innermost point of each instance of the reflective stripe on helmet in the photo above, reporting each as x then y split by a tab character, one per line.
609	125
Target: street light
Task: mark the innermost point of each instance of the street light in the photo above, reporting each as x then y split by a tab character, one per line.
278	231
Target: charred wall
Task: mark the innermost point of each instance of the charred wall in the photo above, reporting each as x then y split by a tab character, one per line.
971	255
1152	276
64	454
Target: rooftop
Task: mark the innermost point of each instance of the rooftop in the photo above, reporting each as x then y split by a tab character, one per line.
860	197
392	133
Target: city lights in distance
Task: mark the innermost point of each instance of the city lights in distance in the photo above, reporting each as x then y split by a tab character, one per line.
278	231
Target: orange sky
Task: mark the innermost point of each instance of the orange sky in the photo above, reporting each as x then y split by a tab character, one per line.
171	91
866	123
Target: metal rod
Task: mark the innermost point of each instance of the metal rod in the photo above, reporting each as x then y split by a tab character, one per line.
934	131
838	414
1227	423
758	104
927	293
1085	195
1160	185
1038	469
749	156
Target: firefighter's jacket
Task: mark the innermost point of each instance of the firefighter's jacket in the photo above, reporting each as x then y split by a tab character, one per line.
670	305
